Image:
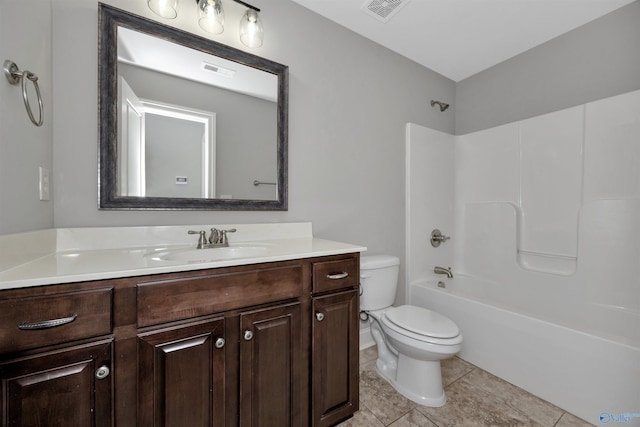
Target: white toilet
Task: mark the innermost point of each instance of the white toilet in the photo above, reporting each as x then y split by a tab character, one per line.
411	340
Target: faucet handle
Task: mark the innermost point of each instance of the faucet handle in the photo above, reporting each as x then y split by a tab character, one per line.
202	240
223	236
437	237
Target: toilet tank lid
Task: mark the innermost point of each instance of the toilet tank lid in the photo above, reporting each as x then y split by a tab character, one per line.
371	262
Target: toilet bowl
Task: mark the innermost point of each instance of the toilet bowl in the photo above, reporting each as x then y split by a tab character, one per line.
411	340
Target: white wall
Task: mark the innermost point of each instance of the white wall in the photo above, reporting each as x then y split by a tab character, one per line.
349	101
23	146
561	243
559	240
430	172
546	225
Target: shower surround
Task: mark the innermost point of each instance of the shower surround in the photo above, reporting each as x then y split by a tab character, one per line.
544	218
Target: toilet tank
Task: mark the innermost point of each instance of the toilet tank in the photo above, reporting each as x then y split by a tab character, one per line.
379	281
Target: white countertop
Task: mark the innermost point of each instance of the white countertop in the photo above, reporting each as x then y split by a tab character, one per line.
77	255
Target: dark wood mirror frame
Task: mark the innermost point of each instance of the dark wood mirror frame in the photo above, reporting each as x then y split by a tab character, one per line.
109	19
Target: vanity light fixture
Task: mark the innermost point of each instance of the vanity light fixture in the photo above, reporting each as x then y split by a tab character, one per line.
211	18
166	8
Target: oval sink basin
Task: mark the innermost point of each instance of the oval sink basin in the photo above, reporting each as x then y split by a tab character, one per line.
209	255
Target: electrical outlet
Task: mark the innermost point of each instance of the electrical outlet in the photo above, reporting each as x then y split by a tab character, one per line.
44	183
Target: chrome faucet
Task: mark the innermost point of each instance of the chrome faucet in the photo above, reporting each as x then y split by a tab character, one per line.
214	237
441	270
217	238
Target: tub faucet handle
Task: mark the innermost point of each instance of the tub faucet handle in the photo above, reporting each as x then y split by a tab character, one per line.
437	237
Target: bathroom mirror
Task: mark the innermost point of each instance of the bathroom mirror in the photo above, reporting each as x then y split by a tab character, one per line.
186	122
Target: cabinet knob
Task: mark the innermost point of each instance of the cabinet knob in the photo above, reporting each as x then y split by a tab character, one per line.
102	372
220	342
248	335
320	317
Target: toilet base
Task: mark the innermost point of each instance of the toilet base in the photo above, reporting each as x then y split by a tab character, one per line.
418	380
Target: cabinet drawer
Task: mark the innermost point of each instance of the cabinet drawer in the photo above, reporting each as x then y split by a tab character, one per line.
32	322
184	298
331	275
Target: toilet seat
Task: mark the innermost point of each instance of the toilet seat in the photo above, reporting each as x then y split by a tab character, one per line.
422	324
423	321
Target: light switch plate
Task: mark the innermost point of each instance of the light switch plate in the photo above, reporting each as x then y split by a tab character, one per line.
44	183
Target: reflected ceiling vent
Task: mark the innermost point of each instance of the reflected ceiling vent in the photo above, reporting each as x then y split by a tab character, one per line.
225	72
383	10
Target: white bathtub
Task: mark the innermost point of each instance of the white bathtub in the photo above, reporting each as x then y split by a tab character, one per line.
585	361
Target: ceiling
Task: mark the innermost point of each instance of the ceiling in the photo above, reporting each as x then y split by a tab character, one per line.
459	38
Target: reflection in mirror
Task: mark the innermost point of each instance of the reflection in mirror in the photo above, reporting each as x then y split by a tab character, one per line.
197	125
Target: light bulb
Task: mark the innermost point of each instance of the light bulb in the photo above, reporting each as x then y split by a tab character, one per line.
165	8
211	16
251	30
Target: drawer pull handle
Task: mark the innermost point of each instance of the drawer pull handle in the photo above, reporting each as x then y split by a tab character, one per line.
46	324
220	342
338	276
320	317
102	372
248	335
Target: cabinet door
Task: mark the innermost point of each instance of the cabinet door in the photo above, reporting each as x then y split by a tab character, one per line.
335	357
181	375
271	371
64	388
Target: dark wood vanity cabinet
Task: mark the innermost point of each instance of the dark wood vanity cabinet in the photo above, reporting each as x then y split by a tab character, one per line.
234	346
56	357
335	357
181	375
70	387
271	374
335	346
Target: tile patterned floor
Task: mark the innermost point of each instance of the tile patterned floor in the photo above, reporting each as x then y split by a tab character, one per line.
474	398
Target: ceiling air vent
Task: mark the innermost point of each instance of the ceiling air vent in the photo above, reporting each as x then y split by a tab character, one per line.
218	70
383	10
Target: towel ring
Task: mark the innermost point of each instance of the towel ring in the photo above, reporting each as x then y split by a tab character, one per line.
14	75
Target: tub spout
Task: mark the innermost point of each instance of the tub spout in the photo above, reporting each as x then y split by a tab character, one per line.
442	270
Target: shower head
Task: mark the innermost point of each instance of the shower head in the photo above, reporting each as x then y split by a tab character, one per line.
443	105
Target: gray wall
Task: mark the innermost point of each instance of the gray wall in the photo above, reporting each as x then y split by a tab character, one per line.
24	147
598	60
349	101
173	147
